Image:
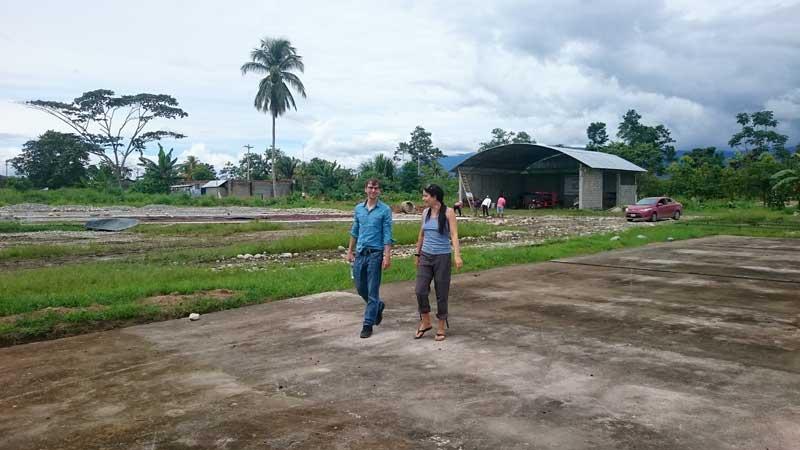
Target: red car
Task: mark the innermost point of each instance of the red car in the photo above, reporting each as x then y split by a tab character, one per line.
653	209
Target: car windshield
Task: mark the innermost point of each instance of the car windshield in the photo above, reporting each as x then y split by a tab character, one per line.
648	201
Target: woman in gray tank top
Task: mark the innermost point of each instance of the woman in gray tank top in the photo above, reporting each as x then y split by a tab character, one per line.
437	241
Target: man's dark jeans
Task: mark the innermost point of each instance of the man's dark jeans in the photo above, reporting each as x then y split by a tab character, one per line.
367	274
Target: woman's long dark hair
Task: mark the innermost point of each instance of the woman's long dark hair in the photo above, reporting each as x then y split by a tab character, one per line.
436	192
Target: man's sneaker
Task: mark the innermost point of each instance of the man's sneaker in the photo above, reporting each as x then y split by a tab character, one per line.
380	314
366	332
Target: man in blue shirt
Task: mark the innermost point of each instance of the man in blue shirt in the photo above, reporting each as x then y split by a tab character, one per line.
371	235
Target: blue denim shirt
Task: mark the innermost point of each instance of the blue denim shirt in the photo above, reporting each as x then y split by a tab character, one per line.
372	229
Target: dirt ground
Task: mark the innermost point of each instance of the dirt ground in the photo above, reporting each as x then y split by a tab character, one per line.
682	345
527	231
34	212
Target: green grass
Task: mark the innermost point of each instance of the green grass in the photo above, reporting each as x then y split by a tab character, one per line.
322	236
119	286
207	229
12	226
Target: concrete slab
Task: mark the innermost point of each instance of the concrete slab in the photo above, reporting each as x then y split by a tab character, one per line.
601	352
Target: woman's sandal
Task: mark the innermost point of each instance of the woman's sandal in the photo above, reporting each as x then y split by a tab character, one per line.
442	335
421	333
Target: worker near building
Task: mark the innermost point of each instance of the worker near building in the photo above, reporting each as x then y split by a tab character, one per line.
485	205
370	252
501	205
457	207
437	249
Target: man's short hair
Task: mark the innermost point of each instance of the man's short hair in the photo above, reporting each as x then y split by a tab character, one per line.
373	181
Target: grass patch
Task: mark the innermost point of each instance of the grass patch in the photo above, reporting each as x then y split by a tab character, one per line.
326	236
120	286
207	229
12	226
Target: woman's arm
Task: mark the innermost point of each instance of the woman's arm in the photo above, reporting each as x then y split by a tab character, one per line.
420	237
451	220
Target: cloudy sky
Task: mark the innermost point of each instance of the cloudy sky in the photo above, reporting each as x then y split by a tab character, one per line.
375	70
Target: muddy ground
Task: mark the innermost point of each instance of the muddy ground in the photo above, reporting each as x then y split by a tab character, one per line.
682	345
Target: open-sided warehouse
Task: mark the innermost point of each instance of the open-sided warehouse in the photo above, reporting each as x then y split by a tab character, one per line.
522	171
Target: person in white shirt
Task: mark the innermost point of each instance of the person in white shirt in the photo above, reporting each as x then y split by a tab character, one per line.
485	205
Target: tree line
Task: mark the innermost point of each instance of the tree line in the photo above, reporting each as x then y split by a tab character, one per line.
762	167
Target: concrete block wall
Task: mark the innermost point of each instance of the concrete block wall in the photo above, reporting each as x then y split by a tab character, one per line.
260	188
626	195
590	188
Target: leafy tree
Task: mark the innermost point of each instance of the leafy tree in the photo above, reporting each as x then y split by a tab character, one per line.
276	59
380	166
327	177
408	178
420	148
188	167
160	174
645	155
503	137
288	167
522	138
698	174
650	144
103	177
787	181
54	160
755	175
598	137
115	125
758	135
204	171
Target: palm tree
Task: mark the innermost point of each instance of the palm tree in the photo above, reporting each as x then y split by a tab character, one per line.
188	167
275	58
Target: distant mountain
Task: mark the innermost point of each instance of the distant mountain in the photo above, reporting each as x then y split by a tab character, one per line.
450	161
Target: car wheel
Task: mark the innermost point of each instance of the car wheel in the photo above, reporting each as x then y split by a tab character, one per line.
654	217
677	215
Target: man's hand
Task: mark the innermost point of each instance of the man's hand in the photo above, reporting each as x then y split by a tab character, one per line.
459	263
387	262
349	257
416	261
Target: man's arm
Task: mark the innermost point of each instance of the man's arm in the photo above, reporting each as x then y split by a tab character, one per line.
353	238
387	240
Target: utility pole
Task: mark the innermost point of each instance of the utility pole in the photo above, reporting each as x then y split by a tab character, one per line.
248	147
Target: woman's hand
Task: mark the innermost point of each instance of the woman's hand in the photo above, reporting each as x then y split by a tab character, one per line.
459	263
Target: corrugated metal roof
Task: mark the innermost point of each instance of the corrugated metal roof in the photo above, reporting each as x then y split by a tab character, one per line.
600	160
214	183
521	156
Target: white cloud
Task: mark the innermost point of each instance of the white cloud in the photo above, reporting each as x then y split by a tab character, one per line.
377	70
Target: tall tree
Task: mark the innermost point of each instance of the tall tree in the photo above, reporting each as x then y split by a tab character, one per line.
598	137
160	174
523	138
408	178
758	135
380	165
204	171
643	139
188	167
54	160
114	124
276	59
503	137
420	148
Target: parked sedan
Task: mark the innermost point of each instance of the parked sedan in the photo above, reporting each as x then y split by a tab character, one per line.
653	209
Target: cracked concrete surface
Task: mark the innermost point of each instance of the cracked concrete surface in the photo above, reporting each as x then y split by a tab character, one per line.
690	345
